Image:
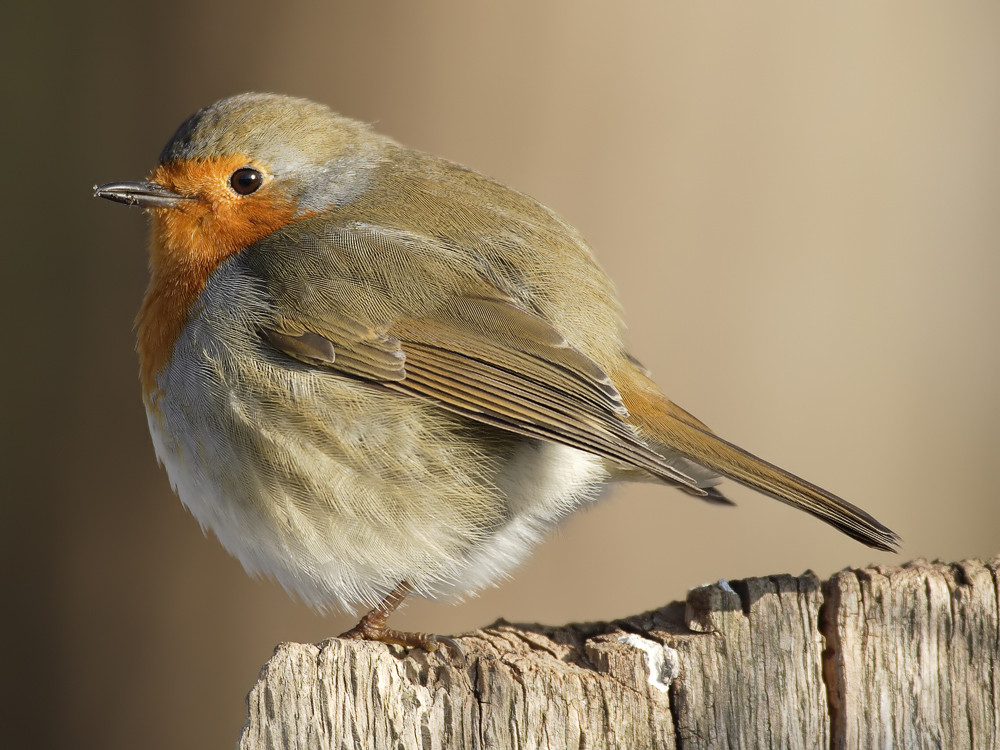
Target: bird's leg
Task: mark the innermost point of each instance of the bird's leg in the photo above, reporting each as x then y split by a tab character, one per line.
372	626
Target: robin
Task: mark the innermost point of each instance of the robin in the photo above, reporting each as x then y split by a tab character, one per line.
372	372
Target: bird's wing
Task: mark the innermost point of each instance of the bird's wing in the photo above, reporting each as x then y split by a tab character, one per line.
489	360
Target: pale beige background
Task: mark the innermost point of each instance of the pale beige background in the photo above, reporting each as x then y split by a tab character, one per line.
798	202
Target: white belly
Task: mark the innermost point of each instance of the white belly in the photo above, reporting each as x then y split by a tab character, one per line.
340	491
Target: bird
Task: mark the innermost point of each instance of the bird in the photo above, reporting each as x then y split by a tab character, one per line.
374	373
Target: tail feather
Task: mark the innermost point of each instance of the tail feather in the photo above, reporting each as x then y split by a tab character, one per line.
669	427
747	469
714	495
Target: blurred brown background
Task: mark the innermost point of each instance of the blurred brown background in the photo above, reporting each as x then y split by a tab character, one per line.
800	204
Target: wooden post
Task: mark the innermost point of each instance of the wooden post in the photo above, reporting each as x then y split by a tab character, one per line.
874	658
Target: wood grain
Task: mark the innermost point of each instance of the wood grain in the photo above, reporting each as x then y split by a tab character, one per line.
878	657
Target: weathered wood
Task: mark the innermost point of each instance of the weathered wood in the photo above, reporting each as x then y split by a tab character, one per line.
914	655
881	657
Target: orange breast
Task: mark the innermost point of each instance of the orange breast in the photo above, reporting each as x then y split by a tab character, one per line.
189	242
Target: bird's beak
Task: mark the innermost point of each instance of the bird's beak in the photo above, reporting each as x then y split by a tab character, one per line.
143	194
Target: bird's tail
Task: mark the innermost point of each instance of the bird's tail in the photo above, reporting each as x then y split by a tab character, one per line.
675	429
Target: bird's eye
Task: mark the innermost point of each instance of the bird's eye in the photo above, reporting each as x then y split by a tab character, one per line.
246	180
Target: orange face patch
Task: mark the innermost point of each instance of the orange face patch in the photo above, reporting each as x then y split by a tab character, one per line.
190	240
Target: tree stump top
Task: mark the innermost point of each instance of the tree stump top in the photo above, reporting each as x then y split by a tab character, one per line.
876	657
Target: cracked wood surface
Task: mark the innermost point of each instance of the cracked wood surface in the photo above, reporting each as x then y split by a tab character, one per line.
877	657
